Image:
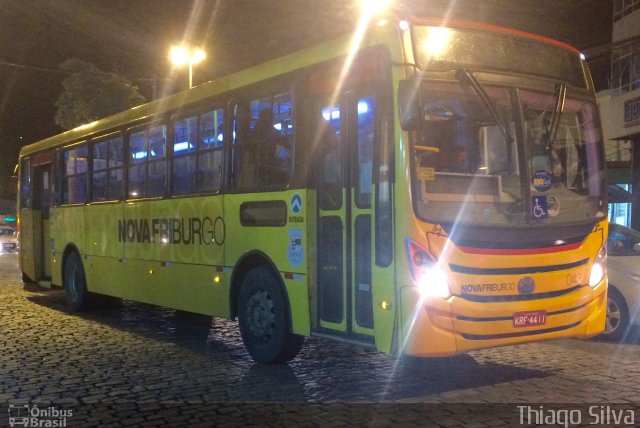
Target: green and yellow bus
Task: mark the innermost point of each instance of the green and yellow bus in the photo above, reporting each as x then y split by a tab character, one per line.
421	188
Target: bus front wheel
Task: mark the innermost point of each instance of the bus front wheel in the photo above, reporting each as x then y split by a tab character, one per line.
263	315
75	283
617	323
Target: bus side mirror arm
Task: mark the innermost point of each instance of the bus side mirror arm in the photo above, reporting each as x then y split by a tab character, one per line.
409	104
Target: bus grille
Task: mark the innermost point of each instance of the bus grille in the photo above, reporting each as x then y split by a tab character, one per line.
518	297
515	271
510	317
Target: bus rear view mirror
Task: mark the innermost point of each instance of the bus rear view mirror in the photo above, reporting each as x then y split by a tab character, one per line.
409	104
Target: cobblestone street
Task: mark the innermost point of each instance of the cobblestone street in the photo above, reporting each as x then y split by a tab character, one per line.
141	365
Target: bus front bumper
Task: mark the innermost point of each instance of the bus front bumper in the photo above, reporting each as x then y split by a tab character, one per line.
435	327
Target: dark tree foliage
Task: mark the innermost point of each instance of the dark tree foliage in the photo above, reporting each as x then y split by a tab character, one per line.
90	94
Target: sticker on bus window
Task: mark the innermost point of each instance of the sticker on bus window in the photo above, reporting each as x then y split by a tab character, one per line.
295	250
296	208
296	203
539	207
427	174
541	181
553	205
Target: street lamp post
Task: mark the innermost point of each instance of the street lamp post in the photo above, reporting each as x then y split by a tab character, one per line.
181	55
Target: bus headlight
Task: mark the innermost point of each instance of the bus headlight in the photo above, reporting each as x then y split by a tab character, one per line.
426	272
599	268
432	282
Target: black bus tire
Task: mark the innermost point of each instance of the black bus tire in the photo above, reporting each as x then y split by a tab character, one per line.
75	283
263	316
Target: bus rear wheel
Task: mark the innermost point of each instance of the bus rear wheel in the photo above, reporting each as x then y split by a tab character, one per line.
75	283
26	279
263	315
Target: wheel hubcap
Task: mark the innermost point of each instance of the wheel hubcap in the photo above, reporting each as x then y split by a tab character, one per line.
260	315
613	316
72	282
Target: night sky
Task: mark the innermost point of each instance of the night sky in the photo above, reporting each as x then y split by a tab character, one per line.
132	38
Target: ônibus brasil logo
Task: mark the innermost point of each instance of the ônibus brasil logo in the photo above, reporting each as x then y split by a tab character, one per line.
25	415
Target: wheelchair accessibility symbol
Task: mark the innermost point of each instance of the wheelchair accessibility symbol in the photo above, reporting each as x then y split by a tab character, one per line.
539	207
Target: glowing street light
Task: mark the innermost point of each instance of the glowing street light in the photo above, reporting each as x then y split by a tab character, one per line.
181	55
374	7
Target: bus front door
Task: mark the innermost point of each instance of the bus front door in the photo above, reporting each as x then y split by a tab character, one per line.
344	146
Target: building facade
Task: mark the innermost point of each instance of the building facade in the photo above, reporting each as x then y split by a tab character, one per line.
620	110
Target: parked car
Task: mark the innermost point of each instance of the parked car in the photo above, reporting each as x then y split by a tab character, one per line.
623	298
8	240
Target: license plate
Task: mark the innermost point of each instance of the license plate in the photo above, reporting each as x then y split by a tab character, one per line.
529	318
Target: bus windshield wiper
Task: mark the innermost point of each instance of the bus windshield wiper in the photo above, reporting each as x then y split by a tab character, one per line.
464	74
550	133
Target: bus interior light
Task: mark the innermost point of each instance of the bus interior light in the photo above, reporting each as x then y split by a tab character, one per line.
181	146
139	155
363	107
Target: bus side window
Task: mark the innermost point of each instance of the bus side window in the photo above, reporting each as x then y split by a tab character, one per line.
210	151
74	182
263	143
198	153
99	173
184	156
157	168
25	183
243	157
106	184
116	163
147	162
137	166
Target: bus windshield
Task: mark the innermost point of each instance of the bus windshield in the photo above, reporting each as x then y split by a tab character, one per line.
445	48
500	155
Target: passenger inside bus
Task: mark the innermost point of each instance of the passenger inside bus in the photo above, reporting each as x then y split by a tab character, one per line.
273	155
459	161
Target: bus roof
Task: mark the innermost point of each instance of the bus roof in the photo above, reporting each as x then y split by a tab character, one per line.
318	53
324	51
